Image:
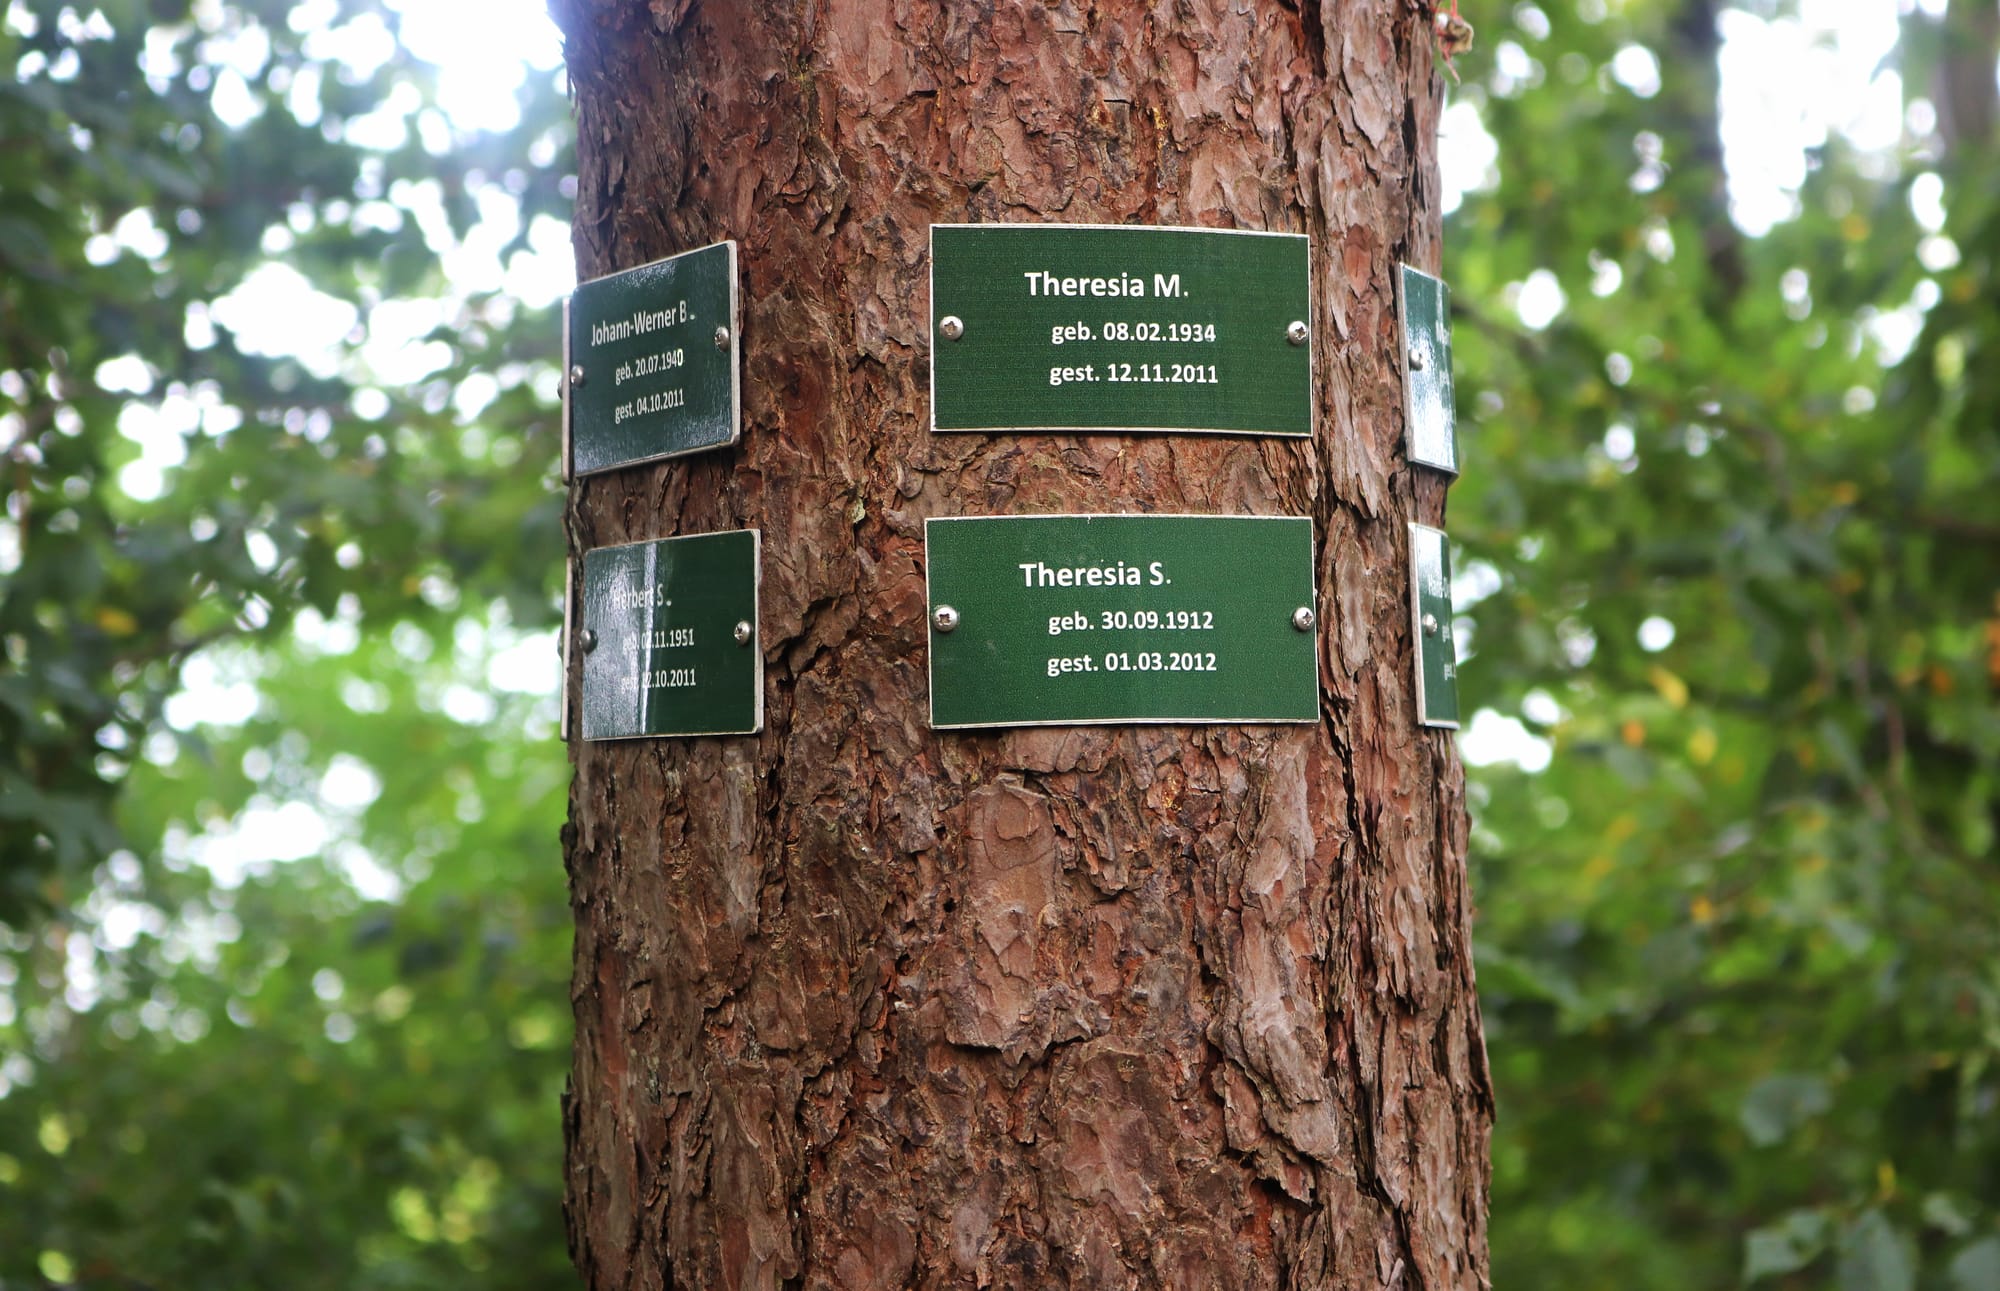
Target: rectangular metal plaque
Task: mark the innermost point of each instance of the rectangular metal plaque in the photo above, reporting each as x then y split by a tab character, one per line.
1424	305
1430	626
1050	620
650	362
1117	327
669	638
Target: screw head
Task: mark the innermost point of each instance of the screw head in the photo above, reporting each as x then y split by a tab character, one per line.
1430	625
945	617
743	632
587	639
1416	359
1297	332
952	326
1303	618
721	338
576	374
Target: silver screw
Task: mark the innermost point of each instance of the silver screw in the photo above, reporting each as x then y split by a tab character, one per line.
587	639
743	633
1302	618
1430	625
1416	359
952	326
721	338
945	617
1297	332
576	375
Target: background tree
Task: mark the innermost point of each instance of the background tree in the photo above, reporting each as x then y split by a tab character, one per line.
280	931
1733	496
858	1004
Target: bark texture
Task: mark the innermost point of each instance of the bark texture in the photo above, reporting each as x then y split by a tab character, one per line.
859	1005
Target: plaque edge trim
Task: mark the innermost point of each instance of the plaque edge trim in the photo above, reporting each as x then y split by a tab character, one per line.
1116	430
1142	228
1136	721
568	640
568	448
634	268
1122	515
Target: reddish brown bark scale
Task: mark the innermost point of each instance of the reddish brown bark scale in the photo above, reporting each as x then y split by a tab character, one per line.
859	1005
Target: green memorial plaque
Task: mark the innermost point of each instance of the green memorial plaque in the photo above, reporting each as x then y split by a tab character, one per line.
1424	305
669	638
1430	625
1056	620
650	362
1116	327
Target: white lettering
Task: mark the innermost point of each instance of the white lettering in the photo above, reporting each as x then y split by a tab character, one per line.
1035	573
641	322
1043	283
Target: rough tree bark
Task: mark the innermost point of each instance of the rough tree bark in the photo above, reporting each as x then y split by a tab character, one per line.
861	1005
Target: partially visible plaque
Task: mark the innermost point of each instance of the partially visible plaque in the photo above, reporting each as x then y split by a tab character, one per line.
649	357
1430	623
669	638
1120	327
1052	620
1424	305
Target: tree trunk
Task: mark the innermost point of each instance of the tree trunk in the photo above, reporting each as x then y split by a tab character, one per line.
863	1005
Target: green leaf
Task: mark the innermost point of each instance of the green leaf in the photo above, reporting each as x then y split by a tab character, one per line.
1784	1247
1777	1105
1947	1214
1875	1257
1977	1267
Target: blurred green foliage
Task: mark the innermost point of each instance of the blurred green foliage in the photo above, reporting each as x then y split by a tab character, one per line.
281	1083
1734	509
282	1004
282	963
